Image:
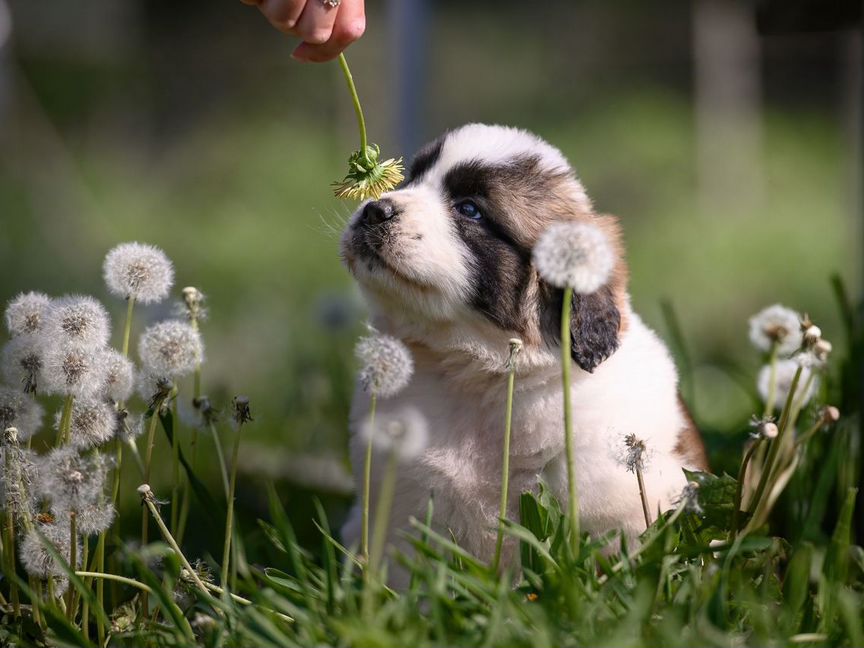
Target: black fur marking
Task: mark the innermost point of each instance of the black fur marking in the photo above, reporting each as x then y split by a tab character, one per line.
502	266
594	325
502	273
425	159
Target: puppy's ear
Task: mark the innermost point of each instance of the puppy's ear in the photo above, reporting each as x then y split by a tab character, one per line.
595	324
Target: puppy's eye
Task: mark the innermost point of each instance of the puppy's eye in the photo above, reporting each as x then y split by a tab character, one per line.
469	209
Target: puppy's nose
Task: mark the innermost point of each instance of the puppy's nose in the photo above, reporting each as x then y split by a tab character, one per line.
378	211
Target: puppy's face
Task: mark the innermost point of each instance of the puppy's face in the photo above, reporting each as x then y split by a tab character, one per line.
452	246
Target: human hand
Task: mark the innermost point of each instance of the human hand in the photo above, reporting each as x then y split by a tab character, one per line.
326	29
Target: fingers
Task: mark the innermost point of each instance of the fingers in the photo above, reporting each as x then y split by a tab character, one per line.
283	14
316	22
348	25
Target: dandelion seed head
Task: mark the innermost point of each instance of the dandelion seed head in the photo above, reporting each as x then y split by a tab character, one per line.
785	374
23	362
119	376
386	364
574	255
93	422
36	558
95	518
829	414
242	413
21	411
404	432
776	324
630	452
79	320
18	471
171	348
25	315
138	271
73	369
70	480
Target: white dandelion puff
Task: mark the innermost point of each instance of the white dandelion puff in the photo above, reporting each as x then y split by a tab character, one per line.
36	557
95	518
20	411
171	348
119	376
138	271
78	319
26	313
785	374
776	324
71	480
404	433
23	362
73	369
386	364
92	423
574	255
629	452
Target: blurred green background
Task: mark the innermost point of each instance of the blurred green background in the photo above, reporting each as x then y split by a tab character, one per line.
732	158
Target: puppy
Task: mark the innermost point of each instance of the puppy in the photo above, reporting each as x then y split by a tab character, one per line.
445	265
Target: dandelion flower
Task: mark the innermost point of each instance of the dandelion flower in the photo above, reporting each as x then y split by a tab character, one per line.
80	320
171	348
26	313
119	376
574	255
23	361
785	373
386	364
73	369
138	271
776	324
93	422
20	411
367	176
404	432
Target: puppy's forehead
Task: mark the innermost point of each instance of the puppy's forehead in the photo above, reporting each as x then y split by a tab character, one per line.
487	145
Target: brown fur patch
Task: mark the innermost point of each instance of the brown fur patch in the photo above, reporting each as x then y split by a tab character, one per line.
690	446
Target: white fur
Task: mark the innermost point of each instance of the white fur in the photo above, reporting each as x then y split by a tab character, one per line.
459	385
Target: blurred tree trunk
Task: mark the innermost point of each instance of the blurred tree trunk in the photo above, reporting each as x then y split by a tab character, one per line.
728	107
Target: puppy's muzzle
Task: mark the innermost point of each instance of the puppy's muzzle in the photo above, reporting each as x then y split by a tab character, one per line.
378	212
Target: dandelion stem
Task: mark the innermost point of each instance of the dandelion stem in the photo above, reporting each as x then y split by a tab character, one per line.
382	519
505	460
223	469
775	444
100	586
73	563
643	497
358	110
175	472
229	517
65	420
115	577
566	361
771	400
148	456
150	503
739	487
35	606
367	482
127	327
9	547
